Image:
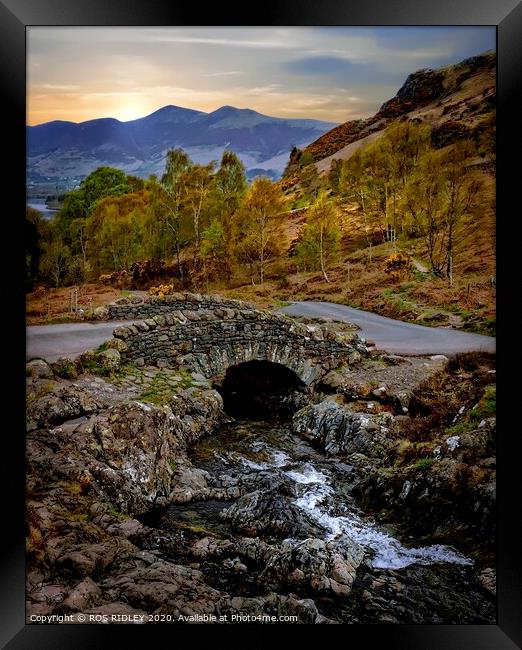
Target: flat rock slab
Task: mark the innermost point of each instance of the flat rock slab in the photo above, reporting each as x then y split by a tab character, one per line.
403	376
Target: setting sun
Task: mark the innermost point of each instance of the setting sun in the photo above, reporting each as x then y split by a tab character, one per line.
131	111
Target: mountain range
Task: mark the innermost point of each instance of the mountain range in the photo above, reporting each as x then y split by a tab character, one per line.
64	151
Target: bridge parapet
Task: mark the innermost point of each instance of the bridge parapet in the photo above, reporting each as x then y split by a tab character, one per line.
134	307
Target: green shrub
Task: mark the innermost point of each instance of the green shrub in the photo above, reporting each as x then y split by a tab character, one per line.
424	463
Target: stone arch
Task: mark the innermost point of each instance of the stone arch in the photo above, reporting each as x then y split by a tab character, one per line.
260	389
217	362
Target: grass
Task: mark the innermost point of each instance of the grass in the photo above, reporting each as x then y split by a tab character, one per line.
486	408
111	510
461	427
278	303
301	202
399	303
49	305
43	389
157	392
93	367
160	389
424	463
186	380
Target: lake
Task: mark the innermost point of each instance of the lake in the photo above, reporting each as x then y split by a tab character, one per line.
39	204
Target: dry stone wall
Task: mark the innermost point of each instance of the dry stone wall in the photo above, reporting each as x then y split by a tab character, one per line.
136	307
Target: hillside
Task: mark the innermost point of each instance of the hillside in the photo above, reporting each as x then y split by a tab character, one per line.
66	150
457	101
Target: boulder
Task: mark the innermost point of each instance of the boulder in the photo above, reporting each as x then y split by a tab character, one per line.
304	610
164	584
117	344
488	579
101	313
267	513
65	368
109	359
86	594
128	528
123	612
123	332
335	429
86	359
38	369
65	403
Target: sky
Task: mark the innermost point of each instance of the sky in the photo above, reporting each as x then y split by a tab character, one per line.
328	73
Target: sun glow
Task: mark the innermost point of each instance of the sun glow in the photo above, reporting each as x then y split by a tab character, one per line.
133	111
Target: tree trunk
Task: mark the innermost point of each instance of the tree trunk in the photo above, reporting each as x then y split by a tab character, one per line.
84	254
262	249
321	254
178	258
449	264
197	213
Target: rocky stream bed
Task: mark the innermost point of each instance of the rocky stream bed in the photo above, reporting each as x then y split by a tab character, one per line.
140	510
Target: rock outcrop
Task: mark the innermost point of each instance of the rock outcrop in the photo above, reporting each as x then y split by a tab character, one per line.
336	430
266	512
86	477
323	567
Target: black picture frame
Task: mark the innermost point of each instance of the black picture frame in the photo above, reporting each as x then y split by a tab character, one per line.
15	15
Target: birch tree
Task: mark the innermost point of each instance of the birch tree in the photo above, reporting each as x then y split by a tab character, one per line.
319	245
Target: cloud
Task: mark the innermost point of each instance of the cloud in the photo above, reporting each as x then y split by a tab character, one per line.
341	70
264	90
60	87
320	65
333	73
226	73
233	42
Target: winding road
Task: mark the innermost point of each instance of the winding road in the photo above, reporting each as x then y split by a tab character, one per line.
53	341
68	340
395	336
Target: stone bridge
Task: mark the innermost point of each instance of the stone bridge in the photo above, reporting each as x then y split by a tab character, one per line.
213	336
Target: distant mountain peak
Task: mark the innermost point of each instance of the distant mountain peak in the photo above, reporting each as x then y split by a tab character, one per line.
225	110
139	146
172	108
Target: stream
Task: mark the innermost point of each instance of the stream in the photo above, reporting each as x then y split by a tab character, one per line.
321	487
394	580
